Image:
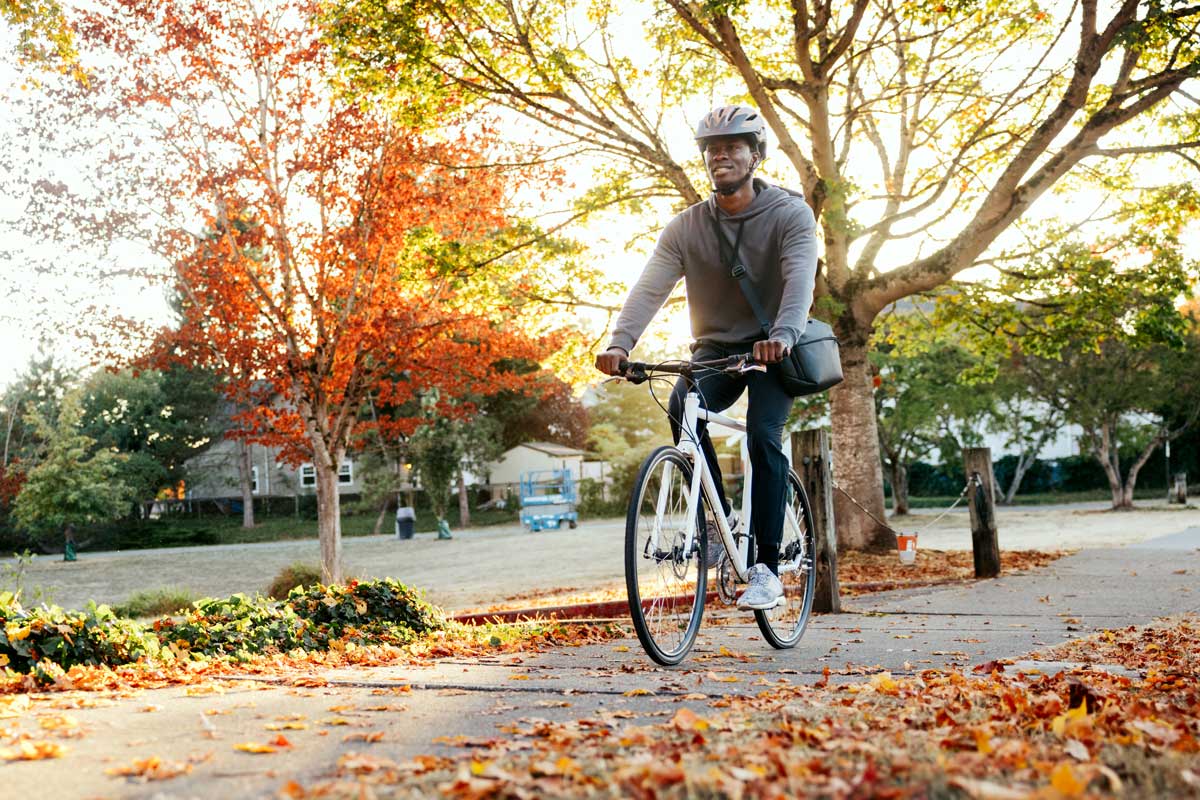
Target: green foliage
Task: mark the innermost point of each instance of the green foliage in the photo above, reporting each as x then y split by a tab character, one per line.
158	419
236	627
67	638
626	424
70	483
45	38
367	610
292	576
156	602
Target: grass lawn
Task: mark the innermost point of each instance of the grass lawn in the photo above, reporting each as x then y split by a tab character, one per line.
186	531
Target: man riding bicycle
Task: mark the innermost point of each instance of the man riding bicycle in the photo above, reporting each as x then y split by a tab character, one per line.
772	233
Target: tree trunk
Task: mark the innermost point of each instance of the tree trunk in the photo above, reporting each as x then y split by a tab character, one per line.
857	467
244	476
1024	462
899	486
1104	449
383	509
464	503
329	519
1134	469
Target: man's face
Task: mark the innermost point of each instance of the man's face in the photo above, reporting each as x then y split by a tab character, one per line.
728	160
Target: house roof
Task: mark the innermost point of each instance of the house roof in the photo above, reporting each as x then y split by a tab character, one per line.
552	449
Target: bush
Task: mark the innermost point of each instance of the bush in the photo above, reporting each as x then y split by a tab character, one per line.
291	576
384	608
67	638
156	602
237	627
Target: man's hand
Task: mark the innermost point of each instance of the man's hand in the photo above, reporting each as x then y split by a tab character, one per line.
610	361
771	351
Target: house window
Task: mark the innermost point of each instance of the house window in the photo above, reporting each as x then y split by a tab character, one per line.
308	474
254	480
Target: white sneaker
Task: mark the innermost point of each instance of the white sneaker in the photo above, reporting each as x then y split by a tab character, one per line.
765	590
716	545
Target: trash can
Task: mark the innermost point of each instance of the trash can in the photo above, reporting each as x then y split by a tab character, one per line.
405	519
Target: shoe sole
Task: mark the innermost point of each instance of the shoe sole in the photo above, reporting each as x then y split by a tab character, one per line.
778	602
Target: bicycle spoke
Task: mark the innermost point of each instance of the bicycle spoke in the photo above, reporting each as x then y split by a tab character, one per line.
664	576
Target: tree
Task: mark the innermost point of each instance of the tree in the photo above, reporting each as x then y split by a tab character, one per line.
1128	400
1096	334
905	124
625	423
326	250
1027	423
73	482
157	420
924	398
438	446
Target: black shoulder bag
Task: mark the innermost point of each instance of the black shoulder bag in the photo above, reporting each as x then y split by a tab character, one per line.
814	364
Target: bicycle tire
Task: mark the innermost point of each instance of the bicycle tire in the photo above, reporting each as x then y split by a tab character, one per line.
783	625
666	587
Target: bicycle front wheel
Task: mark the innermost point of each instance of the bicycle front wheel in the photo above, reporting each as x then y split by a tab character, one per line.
665	577
783	625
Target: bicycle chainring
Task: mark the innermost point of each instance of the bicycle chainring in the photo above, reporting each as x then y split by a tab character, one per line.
726	581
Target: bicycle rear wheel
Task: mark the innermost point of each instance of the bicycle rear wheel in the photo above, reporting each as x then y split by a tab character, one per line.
665	580
783	625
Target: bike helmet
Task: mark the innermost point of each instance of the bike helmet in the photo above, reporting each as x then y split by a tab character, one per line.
734	121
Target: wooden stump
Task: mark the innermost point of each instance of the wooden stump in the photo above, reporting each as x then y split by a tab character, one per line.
812	463
1178	492
985	544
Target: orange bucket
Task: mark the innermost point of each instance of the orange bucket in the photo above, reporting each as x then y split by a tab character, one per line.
906	546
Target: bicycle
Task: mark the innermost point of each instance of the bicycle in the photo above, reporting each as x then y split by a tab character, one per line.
671	512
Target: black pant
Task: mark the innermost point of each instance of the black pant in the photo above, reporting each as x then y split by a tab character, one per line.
766	414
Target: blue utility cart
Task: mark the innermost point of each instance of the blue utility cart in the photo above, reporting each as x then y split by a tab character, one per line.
548	499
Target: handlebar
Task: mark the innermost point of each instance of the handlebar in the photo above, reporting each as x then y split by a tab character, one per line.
640	371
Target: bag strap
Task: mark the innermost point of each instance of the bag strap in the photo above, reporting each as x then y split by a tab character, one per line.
738	270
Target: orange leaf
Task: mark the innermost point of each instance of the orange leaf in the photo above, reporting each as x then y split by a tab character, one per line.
255	747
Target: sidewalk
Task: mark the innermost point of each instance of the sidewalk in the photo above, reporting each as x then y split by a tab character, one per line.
437	709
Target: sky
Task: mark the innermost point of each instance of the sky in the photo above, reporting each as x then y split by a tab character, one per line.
39	308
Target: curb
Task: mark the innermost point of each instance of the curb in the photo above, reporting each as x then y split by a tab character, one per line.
619	609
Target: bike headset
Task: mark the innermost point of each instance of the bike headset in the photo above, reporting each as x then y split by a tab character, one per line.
743	121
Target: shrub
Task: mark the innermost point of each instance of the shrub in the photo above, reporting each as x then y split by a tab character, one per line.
67	638
156	602
237	626
291	576
383	606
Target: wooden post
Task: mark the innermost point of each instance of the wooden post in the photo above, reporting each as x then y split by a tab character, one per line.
813	465
1178	493
977	462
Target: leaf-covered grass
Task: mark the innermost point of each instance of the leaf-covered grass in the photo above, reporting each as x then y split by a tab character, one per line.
156	602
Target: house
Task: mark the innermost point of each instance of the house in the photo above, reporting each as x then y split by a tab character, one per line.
504	474
213	475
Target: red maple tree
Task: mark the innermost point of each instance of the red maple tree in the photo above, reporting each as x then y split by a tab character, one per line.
332	253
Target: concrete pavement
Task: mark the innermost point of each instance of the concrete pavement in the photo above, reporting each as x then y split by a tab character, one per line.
439	708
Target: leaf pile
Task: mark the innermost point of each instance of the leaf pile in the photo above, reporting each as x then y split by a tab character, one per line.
1077	733
47	641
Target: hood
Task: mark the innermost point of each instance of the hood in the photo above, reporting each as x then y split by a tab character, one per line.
767	198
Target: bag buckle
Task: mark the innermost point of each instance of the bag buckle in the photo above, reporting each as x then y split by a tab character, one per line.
738	271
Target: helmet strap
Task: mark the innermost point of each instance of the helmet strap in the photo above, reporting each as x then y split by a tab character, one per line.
727	191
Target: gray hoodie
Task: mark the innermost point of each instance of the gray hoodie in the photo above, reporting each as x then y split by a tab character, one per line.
778	248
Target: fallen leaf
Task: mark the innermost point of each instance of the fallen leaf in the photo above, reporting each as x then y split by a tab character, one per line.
33	751
255	747
1064	781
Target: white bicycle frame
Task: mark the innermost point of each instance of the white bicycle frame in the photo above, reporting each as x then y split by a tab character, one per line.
702	480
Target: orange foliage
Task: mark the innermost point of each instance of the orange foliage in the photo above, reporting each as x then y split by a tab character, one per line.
331	255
